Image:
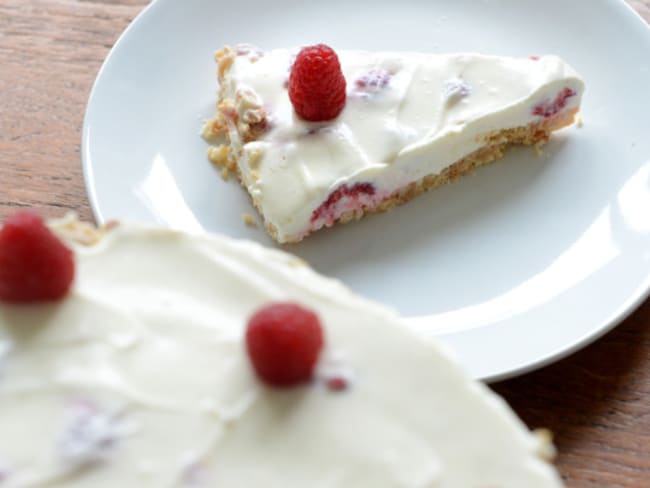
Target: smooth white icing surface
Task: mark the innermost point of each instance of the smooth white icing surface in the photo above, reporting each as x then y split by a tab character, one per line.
430	111
139	379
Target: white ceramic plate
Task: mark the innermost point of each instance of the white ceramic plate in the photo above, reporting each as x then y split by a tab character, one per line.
517	266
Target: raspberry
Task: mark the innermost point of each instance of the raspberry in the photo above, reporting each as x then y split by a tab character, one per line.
34	264
317	84
284	341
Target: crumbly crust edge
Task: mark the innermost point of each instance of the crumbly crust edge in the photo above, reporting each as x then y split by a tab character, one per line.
73	230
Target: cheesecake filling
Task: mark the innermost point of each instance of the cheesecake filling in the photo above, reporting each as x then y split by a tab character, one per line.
139	378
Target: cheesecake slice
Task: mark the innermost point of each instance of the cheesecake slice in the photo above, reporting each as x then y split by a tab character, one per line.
139	377
411	122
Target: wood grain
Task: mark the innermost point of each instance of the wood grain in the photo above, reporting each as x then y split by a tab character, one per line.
50	52
597	401
643	8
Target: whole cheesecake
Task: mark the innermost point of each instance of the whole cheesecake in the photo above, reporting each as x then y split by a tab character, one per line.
409	122
139	377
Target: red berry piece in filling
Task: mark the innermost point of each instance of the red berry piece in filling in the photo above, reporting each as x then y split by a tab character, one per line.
35	265
317	84
336	384
284	341
351	196
373	80
549	108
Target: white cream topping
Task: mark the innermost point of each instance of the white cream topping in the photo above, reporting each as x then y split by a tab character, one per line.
407	115
139	379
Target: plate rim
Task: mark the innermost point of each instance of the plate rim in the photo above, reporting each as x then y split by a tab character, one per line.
596	332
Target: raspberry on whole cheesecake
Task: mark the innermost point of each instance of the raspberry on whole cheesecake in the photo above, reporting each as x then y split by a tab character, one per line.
284	341
317	84
35	265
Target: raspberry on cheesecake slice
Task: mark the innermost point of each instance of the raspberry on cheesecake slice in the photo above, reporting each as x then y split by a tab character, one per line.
318	137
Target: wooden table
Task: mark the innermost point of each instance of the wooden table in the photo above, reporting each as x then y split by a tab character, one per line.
597	402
